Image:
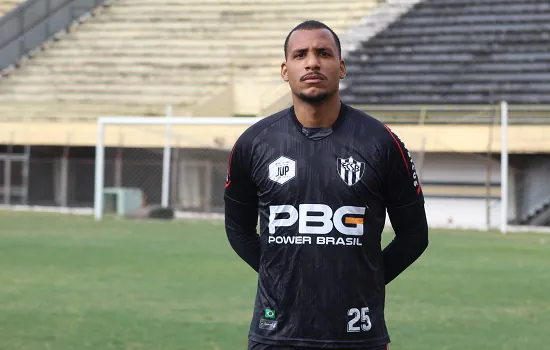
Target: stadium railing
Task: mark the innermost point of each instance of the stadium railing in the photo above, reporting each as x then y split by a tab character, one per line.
25	28
406	114
453	114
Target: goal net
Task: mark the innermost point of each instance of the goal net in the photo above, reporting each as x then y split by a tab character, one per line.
180	163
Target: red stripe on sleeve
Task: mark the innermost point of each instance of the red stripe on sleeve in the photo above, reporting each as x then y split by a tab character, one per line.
229	168
400	149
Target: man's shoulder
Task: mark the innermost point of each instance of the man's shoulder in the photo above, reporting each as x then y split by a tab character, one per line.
380	132
255	129
363	122
361	117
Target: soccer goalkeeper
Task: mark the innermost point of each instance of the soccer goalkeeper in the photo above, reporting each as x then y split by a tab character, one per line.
321	175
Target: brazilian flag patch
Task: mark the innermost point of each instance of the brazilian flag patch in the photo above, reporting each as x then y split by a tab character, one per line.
269	313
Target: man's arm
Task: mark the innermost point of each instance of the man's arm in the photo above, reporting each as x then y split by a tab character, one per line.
411	239
240	226
405	203
241	206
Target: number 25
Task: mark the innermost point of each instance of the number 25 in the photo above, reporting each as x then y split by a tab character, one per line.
361	315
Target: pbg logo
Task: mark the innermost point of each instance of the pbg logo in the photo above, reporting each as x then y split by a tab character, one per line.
317	219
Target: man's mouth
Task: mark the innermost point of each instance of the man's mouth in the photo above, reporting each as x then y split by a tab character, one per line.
313	78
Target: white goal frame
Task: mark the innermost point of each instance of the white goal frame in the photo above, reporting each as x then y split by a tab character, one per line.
169	120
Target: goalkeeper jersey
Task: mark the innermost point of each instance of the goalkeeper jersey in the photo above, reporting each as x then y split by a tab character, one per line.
322	197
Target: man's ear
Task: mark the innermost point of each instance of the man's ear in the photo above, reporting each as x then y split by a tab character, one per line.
343	69
284	71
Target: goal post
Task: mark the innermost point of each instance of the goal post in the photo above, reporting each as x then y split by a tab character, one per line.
504	172
169	123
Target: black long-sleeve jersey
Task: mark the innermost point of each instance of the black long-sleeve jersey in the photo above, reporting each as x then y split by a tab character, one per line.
322	205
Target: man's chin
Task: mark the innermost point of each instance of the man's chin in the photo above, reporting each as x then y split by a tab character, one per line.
313	98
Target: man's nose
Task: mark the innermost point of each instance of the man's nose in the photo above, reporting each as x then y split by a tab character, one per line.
312	62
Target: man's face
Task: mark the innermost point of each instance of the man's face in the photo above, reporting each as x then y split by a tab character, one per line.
313	68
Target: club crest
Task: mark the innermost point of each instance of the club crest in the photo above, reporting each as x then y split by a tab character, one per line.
350	170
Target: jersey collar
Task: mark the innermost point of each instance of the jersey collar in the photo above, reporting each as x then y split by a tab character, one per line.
341	117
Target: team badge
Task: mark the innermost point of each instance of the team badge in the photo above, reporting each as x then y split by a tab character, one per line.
350	170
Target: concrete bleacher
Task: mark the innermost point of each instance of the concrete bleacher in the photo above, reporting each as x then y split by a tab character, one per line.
136	56
456	52
7	5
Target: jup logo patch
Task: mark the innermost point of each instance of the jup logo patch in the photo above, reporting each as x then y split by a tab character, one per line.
282	170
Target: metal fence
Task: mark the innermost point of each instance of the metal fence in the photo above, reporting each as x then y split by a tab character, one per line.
63	177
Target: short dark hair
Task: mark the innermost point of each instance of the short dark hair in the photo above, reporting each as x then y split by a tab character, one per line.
310	25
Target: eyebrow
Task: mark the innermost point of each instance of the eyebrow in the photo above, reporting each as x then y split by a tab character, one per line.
324	48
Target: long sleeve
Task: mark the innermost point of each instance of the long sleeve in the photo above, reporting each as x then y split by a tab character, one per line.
411	239
241	205
240	226
405	204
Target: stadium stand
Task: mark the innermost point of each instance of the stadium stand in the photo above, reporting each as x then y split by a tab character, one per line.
456	52
453	61
6	5
136	56
534	197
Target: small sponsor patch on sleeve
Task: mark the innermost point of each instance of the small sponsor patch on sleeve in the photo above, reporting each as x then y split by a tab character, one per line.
269	325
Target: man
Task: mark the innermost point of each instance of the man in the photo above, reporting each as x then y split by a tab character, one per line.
321	175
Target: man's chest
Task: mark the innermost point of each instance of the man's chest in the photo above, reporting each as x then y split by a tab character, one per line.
319	172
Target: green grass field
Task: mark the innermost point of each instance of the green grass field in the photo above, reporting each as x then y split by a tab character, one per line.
71	283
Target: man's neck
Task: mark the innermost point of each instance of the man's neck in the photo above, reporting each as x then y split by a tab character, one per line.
321	115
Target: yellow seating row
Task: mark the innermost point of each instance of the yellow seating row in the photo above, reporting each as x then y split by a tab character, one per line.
147	54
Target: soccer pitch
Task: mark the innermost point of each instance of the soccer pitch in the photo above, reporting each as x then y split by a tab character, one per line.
71	283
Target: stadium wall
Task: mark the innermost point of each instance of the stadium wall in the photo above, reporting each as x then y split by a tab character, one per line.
461	190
